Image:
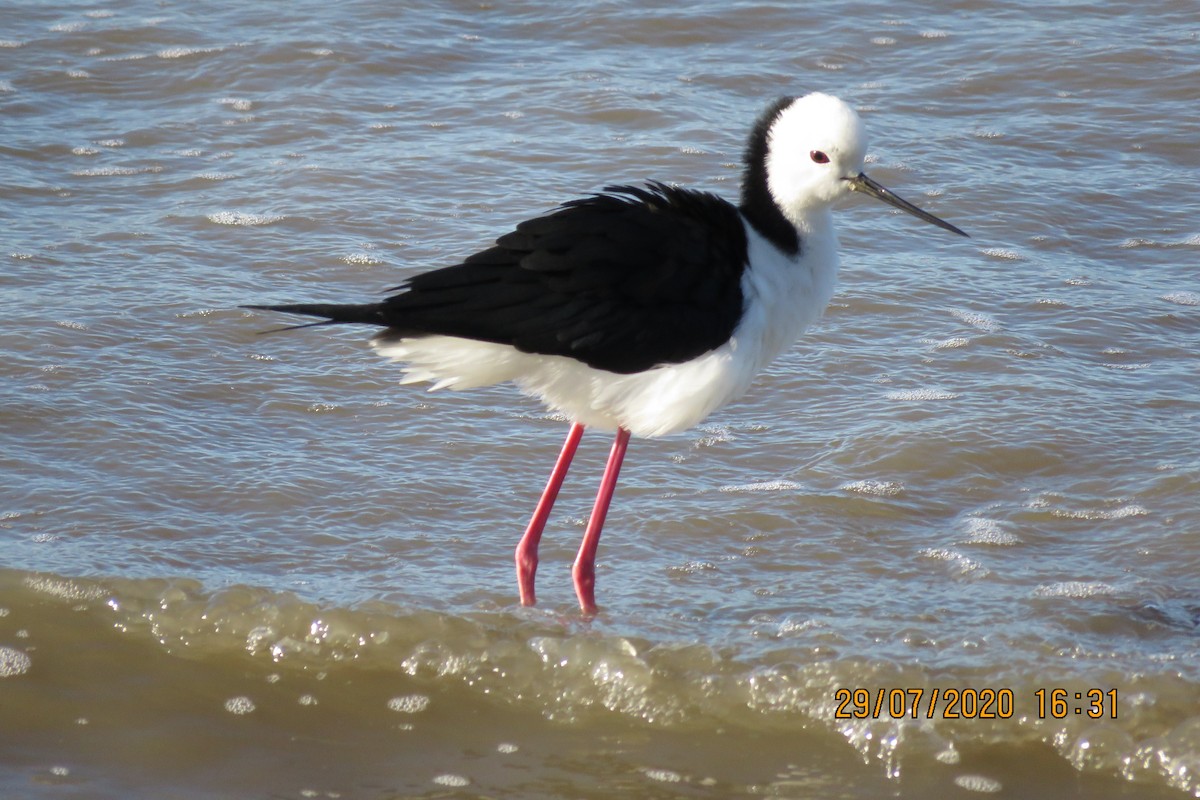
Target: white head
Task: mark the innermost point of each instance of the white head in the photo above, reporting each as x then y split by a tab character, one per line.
815	147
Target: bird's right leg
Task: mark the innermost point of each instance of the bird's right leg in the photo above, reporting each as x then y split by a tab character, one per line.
527	548
584	569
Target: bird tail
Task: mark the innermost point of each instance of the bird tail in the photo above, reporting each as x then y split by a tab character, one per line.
333	313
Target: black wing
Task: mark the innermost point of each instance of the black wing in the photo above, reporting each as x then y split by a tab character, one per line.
622	281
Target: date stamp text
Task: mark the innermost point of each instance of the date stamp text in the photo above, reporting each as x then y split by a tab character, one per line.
986	703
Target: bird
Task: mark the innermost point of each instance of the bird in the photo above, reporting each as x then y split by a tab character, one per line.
639	309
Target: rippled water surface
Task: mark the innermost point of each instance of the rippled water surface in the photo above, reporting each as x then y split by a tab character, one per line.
238	565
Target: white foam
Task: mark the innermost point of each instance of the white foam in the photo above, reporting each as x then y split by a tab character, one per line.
13	662
184	52
978	783
1182	298
362	258
952	343
1190	241
663	775
875	488
762	486
966	566
409	703
921	395
63	589
1003	253
323	408
109	172
239	705
243	218
981	530
694	567
1122	512
1078	590
977	319
949	756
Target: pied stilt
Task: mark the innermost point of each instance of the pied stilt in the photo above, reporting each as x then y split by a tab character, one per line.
641	309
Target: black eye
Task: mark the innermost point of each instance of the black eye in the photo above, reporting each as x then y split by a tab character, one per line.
818	157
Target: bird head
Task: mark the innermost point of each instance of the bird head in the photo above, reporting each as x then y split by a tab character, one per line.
816	146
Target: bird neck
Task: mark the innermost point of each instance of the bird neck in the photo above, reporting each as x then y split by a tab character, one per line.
759	208
758	205
814	222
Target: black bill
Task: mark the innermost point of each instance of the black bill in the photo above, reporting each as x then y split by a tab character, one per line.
867	186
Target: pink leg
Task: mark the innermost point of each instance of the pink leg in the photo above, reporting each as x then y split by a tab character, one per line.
527	549
584	570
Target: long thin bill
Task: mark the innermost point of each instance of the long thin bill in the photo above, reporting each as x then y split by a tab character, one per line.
867	186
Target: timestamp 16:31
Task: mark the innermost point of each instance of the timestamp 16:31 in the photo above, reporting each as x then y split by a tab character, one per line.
1062	703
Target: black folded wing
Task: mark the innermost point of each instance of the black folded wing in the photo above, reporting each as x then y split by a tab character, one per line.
622	281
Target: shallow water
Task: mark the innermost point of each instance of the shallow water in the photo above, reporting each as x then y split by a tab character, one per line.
247	565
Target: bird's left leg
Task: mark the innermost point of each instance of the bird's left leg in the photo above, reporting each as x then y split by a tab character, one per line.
584	570
527	549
